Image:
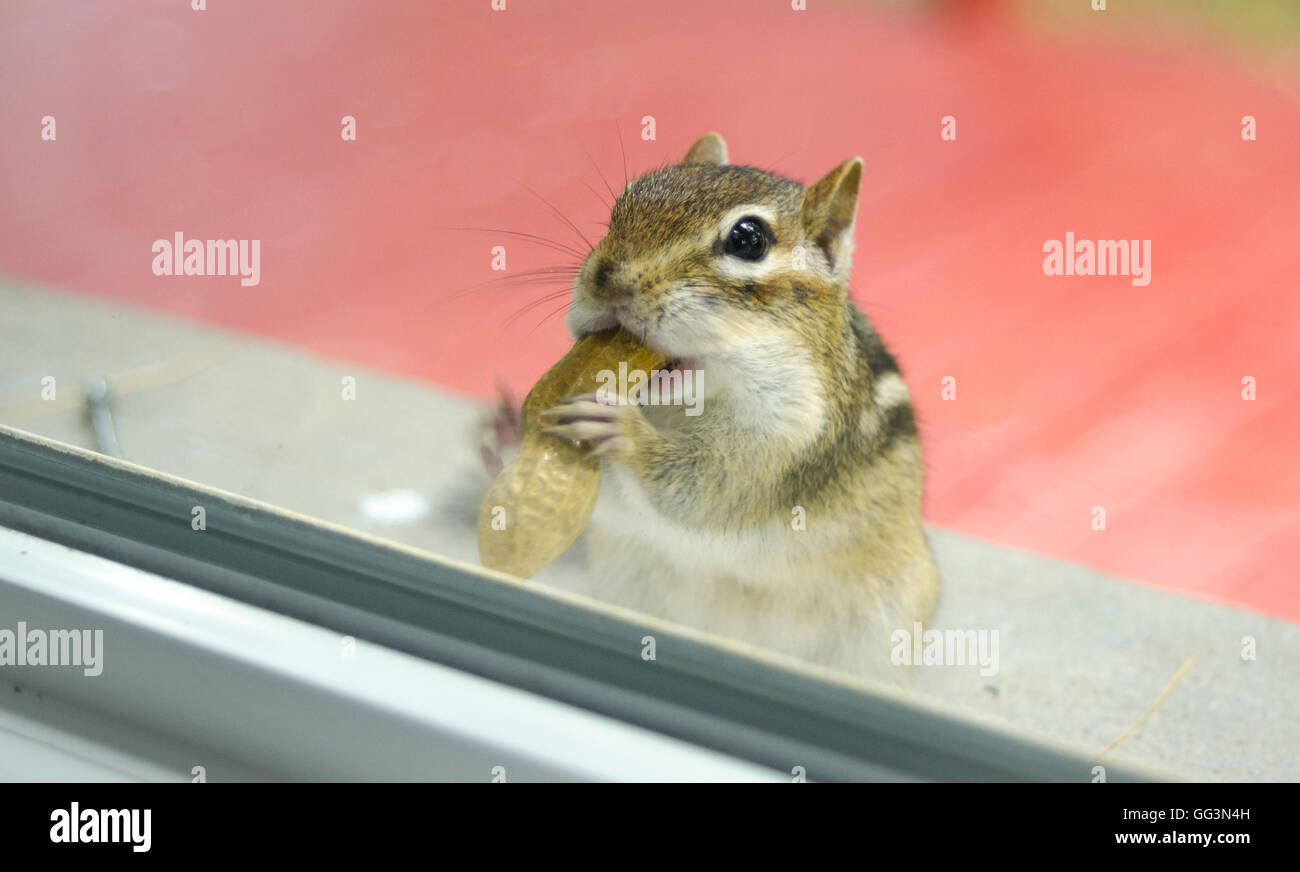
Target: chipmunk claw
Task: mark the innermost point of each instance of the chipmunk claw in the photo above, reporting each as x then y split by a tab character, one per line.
588	421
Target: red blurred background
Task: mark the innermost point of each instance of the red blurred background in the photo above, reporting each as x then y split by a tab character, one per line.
1071	392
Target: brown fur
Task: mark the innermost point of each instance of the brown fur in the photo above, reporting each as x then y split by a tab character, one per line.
810	416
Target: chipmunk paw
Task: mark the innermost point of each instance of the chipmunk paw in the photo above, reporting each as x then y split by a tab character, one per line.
501	431
605	430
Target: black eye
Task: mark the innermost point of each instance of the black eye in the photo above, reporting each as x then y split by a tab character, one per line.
747	239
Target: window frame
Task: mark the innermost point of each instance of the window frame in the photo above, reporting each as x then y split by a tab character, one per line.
748	705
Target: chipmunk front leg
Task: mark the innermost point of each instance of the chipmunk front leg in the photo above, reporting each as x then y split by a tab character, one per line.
618	431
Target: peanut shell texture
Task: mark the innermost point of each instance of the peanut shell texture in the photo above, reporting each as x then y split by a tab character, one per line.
541	501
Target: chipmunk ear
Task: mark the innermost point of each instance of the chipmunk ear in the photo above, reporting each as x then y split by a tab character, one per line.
710	148
830	208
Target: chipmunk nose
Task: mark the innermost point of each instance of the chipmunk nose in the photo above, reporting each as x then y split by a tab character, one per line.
610	284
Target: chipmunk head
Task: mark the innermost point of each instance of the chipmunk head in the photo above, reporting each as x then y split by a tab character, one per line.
703	258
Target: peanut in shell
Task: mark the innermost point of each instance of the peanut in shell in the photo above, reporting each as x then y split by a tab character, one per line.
539	504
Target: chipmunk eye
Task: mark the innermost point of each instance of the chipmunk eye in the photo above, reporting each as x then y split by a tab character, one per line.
747	239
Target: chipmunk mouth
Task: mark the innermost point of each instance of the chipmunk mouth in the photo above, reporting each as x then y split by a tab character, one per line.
619	316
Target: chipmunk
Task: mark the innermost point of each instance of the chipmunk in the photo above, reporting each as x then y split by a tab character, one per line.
786	513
